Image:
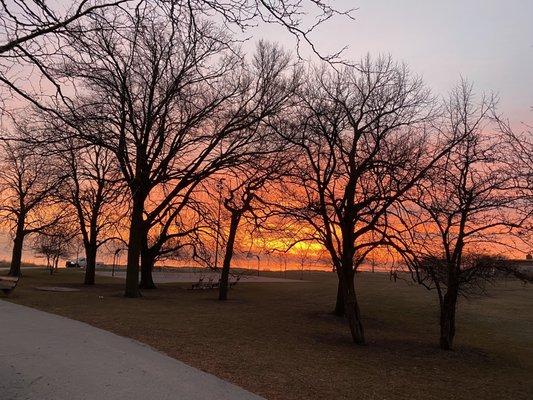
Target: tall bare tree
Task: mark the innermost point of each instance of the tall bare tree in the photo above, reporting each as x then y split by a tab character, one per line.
270	82
246	186
364	143
29	183
170	102
519	150
462	212
93	191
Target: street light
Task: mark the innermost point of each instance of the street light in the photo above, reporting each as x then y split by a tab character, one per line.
117	251
250	255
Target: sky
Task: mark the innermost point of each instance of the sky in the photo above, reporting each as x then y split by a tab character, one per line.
489	42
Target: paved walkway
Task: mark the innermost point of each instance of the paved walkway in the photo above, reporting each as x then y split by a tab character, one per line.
48	357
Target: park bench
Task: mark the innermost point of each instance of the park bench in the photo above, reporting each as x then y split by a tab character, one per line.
215	285
202	285
233	283
198	285
8	283
211	284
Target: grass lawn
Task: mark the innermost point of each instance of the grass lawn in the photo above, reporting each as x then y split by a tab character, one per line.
279	340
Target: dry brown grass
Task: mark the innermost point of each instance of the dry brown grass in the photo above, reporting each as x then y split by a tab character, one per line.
280	341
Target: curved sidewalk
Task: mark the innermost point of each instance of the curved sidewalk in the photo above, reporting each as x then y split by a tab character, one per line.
48	357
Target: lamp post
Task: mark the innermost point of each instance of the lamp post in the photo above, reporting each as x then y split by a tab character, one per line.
250	255
117	251
219	186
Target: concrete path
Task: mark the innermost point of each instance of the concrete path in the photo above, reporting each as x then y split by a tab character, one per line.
48	357
190	277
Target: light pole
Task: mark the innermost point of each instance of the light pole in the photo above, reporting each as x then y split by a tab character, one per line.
249	255
219	186
78	254
117	251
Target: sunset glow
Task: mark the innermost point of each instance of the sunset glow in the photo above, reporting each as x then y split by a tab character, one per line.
266	199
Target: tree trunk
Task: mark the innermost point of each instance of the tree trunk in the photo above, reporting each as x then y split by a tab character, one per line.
447	319
224	278
147	266
90	269
18	243
148	256
351	307
134	247
339	304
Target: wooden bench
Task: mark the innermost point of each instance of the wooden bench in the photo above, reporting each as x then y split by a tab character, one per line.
8	283
233	283
211	284
198	285
202	285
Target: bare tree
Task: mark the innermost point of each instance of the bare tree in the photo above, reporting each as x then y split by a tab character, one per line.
170	103
461	212
144	99
270	83
363	144
54	242
29	183
93	190
304	255
519	150
245	187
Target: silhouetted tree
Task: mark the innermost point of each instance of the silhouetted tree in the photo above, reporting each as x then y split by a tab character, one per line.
518	148
171	103
364	143
466	202
94	192
245	187
54	242
29	183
